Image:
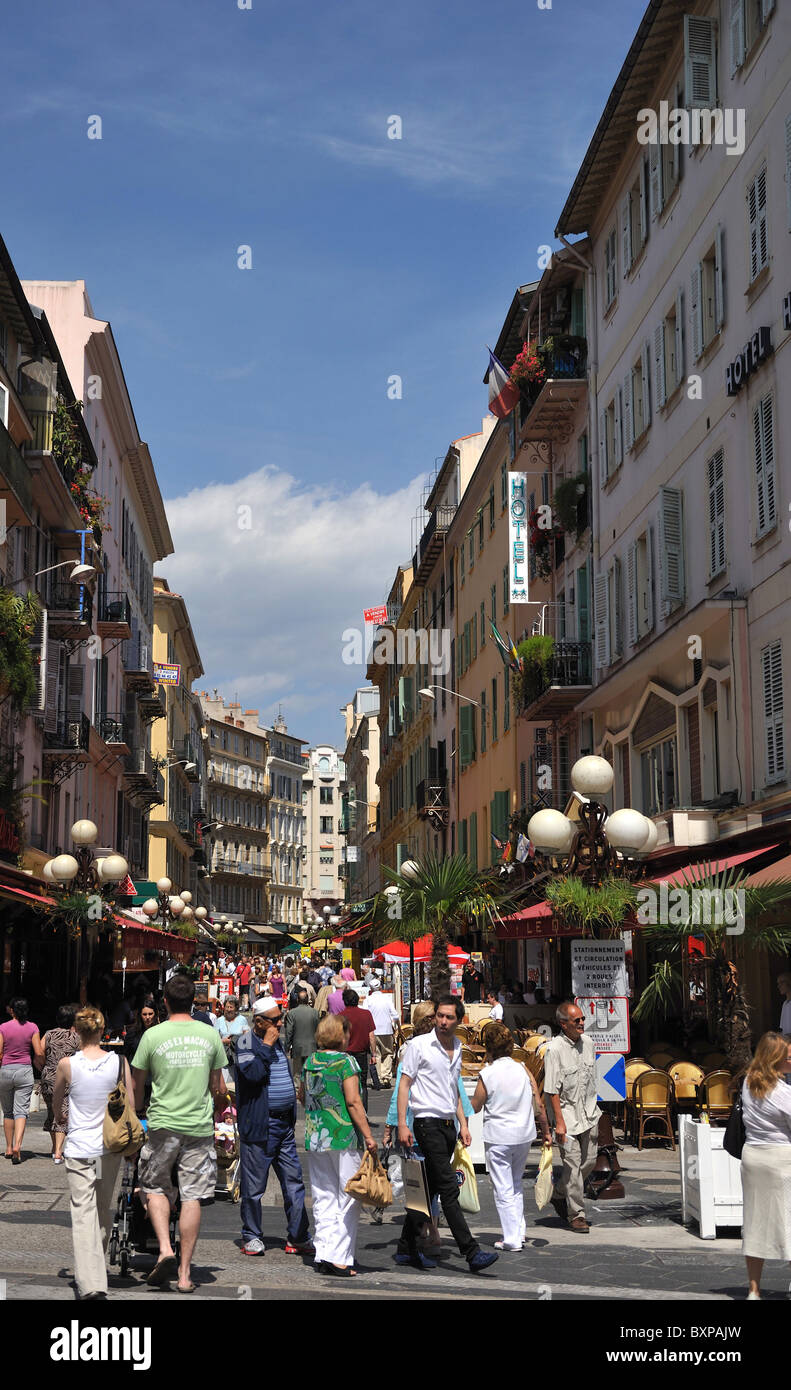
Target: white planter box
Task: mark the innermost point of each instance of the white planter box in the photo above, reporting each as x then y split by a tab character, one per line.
711	1180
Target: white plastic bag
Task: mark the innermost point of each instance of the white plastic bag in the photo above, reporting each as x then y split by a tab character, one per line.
396	1177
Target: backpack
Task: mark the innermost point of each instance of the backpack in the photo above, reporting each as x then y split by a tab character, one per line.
122	1132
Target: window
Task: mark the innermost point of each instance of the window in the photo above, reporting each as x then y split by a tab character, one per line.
610	268
480	530
636	399
473	850
715	481
472	547
668	352
634	218
609	615
326	885
763	434
506	594
611	436
756	210
503	485
494	709
483	626
639	588
700	61
3	405
325	796
671	547
325	825
483	721
506	699
772	674
493	597
658	766
707	302
491	508
664	161
466	735
461	564
748	19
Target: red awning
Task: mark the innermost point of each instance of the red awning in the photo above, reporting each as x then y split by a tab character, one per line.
7	891
358	931
781	869
714	866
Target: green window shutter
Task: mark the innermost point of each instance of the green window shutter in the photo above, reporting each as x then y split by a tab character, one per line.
473	854
405	700
463	837
495	853
467	738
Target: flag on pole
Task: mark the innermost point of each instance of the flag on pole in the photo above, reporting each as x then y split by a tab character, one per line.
506	648
498	844
508	853
503	393
522	848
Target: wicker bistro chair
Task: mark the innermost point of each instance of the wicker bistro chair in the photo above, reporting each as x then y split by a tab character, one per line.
534	1064
470	1054
534	1042
661	1060
713	1061
715	1094
634	1066
651	1100
687	1078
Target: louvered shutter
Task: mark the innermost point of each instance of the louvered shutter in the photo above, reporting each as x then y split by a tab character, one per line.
603	460
644	196
648	587
465	735
626	410
772	671
737	34
631	595
671	544
473	850
646	367
719	280
75	687
716	484
659	365
763	431
617	431
656	180
626	232
52	686
679	337
696	310
616	603
700	65
38	651
602	624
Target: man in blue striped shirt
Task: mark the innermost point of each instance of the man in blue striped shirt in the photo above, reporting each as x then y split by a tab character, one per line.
266	1104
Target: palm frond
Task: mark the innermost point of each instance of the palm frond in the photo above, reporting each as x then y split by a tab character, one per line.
760	901
661	996
606	905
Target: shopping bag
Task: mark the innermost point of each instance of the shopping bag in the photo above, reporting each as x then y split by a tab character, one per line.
370	1184
122	1132
543	1187
416	1194
465	1177
36	1102
392	1164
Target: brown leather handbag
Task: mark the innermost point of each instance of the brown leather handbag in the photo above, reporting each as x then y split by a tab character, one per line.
370	1184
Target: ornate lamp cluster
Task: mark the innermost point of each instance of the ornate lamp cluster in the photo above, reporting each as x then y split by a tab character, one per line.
601	843
81	872
172	907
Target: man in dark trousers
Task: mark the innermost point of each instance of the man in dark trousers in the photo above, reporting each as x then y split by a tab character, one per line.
299	1032
362	1039
266	1112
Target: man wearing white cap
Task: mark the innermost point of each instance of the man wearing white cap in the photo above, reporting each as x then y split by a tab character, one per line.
266	1104
385	1017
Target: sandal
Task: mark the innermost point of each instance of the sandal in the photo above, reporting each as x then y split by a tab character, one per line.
347	1272
189	1289
164	1270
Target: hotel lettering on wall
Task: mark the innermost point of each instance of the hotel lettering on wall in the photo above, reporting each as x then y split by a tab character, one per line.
517	537
749	359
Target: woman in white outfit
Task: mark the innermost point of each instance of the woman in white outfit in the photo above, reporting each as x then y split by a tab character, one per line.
766	1159
508	1096
89	1077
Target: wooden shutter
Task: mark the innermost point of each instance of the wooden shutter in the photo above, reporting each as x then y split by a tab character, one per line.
603	459
616	608
696	310
700	61
631	595
671	544
626	408
38	651
648	584
617	427
736	26
465	735
719	280
679	337
763	432
75	686
645	178
602	620
52	686
655	180
756	203
716	485
772	672
646	367
626	232
659	365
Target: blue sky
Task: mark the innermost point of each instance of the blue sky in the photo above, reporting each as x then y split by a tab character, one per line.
370	257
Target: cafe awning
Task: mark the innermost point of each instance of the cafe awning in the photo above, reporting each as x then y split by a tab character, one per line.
689	872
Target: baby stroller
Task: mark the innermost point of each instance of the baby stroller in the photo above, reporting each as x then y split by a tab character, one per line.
226	1147
132	1232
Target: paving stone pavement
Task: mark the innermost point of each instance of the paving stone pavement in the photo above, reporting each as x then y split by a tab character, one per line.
637	1248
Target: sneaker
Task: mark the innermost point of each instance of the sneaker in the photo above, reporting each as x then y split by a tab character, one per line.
481	1261
254	1247
305	1247
417	1261
501	1245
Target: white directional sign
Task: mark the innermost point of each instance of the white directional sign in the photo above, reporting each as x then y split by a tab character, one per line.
598	969
606	1022
611	1076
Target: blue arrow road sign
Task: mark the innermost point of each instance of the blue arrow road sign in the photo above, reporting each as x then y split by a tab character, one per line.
611	1076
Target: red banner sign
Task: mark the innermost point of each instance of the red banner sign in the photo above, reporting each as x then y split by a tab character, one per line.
376	615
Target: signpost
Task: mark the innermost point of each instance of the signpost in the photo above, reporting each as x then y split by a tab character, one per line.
610	1077
606	1022
598	969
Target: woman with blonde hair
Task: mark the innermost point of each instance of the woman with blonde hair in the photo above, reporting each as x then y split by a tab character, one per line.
89	1077
766	1159
336	1128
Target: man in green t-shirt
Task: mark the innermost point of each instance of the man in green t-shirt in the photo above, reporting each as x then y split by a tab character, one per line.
184	1059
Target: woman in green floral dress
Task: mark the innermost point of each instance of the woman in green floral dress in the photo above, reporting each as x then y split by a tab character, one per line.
336	1131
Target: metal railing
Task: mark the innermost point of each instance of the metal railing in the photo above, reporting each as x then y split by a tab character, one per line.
569	665
71	732
432	792
15	470
111	727
73	600
115	607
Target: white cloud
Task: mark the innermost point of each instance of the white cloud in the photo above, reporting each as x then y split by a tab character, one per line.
268	604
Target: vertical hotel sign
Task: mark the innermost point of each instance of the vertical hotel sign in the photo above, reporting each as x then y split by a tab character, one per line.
517	537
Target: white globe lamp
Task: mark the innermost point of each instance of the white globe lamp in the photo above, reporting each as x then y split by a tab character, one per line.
177	906
84	832
186	898
151	907
627	830
653	838
164	885
551	832
64	868
592	776
410	870
114	868
47	874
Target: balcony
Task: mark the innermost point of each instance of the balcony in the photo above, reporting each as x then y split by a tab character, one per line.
114	616
227	865
144	781
151	704
111	728
52	487
431	542
549	412
553	690
185	824
70	613
16	483
71	735
186	752
432	801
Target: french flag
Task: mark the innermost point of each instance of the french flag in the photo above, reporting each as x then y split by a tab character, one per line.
503	393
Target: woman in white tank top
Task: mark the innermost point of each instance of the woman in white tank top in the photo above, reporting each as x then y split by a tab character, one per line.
90	1075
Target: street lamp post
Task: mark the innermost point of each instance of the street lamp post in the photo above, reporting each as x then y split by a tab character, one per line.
81	872
603	842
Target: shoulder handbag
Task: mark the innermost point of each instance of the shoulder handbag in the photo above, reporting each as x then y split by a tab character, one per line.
465	1177
122	1132
370	1184
735	1136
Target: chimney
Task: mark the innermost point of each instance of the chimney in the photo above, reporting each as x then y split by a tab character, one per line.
252	712
239	723
229	719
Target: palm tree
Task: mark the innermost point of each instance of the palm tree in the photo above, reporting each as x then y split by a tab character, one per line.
437	897
761	932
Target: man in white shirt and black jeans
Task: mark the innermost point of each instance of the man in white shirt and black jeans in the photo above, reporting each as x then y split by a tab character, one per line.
430	1071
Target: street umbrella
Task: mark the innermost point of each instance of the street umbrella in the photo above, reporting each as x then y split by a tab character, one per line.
396	952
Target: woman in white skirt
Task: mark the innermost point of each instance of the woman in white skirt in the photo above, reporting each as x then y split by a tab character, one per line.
508	1095
766	1159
